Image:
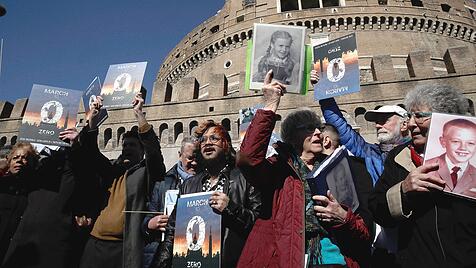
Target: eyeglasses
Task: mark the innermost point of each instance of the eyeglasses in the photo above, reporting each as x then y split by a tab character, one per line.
212	139
419	117
310	127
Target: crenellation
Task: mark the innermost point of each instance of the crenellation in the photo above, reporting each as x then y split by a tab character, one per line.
419	64
459	60
19	108
218	86
382	68
6	109
203	76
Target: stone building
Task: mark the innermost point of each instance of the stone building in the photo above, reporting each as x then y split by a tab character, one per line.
401	43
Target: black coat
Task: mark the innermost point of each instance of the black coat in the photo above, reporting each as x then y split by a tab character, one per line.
171	181
237	218
13	201
45	234
441	229
139	182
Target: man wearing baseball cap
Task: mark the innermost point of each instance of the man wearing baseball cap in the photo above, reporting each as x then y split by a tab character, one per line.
391	123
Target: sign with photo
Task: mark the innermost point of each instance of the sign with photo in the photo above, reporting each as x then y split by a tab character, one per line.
337	63
279	48
50	110
122	83
94	90
197	241
452	144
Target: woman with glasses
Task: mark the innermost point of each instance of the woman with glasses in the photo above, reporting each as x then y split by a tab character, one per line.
435	230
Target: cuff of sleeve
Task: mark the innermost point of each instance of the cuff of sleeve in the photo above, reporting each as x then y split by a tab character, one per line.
230	209
395	204
145	128
348	218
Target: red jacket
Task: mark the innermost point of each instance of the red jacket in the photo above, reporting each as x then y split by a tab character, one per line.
277	238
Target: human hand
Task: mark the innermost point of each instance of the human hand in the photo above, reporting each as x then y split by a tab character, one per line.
83	221
94	108
314	77
272	92
137	104
421	180
329	209
69	135
158	222
219	201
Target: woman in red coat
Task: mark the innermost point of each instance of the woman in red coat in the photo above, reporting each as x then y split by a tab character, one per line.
288	233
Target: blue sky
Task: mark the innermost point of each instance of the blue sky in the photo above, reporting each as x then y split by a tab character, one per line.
67	43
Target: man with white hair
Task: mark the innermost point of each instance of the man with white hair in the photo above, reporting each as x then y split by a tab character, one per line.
391	122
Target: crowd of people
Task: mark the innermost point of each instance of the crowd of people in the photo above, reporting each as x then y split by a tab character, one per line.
381	207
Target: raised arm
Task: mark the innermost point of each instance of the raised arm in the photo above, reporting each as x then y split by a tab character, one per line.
153	154
252	156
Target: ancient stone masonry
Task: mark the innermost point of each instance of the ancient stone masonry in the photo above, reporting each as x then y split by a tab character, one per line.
402	44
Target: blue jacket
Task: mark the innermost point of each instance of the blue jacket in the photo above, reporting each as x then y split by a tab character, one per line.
372	154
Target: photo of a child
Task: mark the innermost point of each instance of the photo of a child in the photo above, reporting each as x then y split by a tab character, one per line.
281	49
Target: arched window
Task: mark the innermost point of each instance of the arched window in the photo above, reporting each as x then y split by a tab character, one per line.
164	133
107	136
120	132
3	141
178	133
13	141
192	126
470	107
226	124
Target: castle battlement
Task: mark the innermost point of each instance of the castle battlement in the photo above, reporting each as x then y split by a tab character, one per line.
401	44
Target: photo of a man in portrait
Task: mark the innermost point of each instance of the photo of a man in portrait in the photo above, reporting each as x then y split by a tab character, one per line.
456	163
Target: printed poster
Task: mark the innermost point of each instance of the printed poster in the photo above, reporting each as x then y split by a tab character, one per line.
197	241
50	110
122	83
94	90
337	63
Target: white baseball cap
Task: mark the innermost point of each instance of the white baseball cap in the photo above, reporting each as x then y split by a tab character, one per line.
373	115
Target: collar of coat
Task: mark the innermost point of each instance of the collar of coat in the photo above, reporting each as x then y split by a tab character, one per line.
404	159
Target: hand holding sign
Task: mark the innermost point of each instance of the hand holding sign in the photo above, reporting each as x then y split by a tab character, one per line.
272	92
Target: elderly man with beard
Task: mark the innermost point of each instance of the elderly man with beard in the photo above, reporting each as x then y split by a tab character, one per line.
235	199
391	123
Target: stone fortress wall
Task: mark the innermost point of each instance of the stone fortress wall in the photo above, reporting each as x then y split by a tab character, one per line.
402	44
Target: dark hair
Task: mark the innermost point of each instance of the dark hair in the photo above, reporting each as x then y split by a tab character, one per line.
333	133
230	152
132	134
293	121
461	123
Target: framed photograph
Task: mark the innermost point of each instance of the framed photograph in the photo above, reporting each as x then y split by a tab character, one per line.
452	144
279	48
